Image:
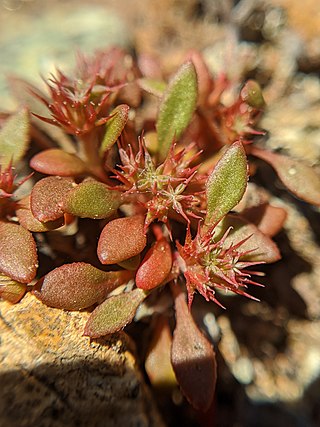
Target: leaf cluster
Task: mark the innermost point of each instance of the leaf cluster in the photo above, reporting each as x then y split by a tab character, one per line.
160	164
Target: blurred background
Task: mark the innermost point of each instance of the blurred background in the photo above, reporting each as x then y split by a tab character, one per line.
269	353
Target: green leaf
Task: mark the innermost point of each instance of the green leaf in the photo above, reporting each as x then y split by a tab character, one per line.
58	162
114	127
226	184
78	285
152	86
18	252
251	93
300	178
192	357
91	199
14	138
114	313
177	106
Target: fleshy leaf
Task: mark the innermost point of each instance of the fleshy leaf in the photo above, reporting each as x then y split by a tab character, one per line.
227	183
192	357
91	199
28	221
259	247
155	266
47	196
158	362
251	93
11	290
131	263
18	252
177	106
152	86
114	127
301	179
78	285
269	219
204	77
114	313
121	238
58	162
14	138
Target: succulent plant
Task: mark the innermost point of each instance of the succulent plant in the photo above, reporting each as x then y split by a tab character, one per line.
158	165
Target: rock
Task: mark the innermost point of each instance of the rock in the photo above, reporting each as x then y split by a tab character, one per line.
51	375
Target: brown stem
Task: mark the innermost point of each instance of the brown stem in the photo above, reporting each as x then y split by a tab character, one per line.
89	152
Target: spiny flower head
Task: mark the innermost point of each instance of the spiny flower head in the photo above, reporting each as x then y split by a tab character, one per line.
82	102
209	264
164	188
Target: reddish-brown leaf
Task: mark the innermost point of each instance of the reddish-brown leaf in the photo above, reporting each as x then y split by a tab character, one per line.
28	221
114	313
57	162
269	219
258	247
301	179
121	238
18	252
192	357
47	198
155	266
78	285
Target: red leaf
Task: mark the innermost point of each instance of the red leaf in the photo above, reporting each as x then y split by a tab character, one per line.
18	252
57	162
192	357
155	266
47	196
114	313
78	285
121	238
300	178
28	221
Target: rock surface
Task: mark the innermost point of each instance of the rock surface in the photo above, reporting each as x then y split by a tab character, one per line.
51	375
